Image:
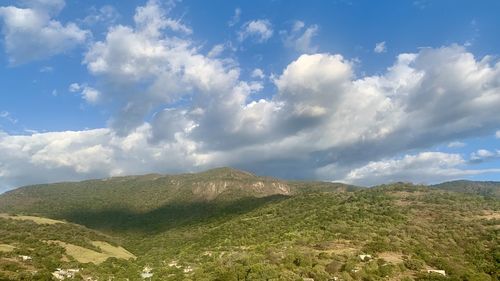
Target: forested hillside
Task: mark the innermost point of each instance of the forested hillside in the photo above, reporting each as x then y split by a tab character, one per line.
484	188
272	230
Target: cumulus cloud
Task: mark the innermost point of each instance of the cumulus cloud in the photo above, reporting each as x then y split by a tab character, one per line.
497	134
260	30
483	155
300	37
73	155
179	109
31	32
89	94
258	73
142	68
380	47
425	167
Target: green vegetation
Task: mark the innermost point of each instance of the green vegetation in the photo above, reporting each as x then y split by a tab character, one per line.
484	188
250	228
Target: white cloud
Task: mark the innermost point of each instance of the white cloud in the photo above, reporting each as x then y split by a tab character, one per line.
236	17
73	155
260	30
456	144
8	117
141	67
321	117
482	155
497	134
89	94
258	73
300	37
216	51
31	33
425	167
152	18
46	69
106	14
323	120
380	47
74	87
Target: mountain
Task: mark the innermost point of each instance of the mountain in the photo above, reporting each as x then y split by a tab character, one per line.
153	191
226	224
483	188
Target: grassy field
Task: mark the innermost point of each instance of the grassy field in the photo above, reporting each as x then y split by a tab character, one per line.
38	220
6	248
113	251
84	255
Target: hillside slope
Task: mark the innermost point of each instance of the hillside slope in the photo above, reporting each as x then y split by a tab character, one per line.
31	247
150	192
250	231
483	188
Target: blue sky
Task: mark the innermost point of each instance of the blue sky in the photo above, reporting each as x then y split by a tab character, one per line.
364	92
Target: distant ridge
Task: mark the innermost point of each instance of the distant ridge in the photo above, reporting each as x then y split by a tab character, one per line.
483	188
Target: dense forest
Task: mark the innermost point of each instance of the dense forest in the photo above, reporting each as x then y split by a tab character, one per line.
230	225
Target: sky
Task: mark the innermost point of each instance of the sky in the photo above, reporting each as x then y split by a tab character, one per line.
362	92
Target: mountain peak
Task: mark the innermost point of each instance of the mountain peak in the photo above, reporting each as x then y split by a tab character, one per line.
227	173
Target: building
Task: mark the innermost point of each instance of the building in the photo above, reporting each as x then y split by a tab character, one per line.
146	272
61	274
188	269
25	258
442	272
365	257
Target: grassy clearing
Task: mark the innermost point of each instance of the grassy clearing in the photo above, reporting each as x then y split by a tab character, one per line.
118	252
6	248
391	257
38	220
84	255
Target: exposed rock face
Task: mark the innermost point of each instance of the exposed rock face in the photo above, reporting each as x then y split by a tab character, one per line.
235	188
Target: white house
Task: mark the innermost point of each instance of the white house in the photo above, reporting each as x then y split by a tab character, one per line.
61	274
188	269
442	272
146	272
25	258
365	257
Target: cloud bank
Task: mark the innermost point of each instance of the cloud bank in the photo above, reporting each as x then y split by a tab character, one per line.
178	109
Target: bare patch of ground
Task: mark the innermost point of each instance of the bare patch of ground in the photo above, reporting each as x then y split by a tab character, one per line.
491	215
391	257
339	247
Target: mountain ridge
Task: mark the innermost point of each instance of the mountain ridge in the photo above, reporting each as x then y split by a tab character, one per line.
147	192
483	188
